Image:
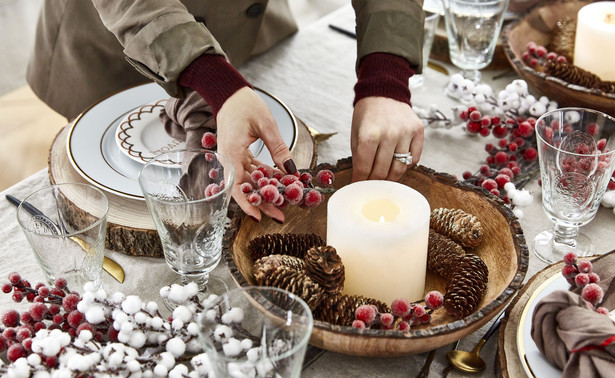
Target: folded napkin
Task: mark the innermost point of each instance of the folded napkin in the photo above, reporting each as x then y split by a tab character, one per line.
187	119
571	335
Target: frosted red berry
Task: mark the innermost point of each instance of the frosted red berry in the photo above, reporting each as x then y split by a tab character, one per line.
501	158
593	278
365	313
387	319
312	198
262	182
293	194
254	199
502	179
269	193
475	116
38	311
570	258
74	318
86	326
306	178
9	334
530	154
23	333
256	175
61	283
401	307
7	288
484	132
10	318
584	266
14	278
358	324
15	352
434	300
25	318
418	311
246	187
212	189
214	173
325	177
466	175
581	279
490	184
403	326
209	140
473	127
569	271
592	293
51	361
499	131
288	179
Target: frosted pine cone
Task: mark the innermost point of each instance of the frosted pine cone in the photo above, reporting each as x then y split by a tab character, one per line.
339	309
295	281
466	286
325	267
442	253
283	244
572	74
462	227
278	260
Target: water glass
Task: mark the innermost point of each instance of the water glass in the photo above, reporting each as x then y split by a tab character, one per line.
256	332
576	149
429	30
188	193
473	29
66	226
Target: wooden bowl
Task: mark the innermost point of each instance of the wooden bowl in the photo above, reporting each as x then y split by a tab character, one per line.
536	25
503	249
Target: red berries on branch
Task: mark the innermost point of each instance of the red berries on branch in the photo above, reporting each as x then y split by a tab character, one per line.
580	274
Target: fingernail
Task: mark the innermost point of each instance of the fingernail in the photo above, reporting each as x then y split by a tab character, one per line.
289	167
277	221
254	218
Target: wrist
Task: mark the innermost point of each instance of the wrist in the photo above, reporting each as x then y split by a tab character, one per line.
214	78
383	75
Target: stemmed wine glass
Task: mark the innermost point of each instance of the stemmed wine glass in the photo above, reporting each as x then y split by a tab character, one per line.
576	149
188	193
473	29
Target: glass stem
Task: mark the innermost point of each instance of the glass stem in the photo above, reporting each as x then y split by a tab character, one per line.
565	235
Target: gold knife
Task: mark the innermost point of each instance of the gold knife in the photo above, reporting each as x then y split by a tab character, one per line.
109	265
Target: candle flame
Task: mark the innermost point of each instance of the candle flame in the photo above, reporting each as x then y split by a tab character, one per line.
382	220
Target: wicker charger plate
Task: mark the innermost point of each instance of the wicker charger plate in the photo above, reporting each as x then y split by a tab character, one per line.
503	250
537	26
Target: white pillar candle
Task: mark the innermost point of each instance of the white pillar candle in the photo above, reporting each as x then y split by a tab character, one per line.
594	46
380	230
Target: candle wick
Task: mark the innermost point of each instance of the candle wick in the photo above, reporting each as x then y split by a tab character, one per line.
610	18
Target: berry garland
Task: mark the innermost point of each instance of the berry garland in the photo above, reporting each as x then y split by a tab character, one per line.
579	274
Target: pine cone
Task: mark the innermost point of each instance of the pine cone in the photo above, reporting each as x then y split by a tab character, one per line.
287	278
458	225
325	267
607	86
466	287
274	261
563	36
442	254
572	74
339	309
283	244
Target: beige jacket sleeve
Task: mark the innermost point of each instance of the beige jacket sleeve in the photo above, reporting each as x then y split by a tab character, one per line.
160	37
391	26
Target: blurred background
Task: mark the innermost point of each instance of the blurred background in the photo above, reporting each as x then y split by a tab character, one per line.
27	126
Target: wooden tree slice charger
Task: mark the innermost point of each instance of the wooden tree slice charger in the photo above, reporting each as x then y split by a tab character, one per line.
130	228
503	249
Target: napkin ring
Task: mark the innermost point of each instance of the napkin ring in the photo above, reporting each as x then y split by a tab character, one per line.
405	158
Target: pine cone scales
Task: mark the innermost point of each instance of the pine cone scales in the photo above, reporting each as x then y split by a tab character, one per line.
572	74
466	286
292	280
324	266
442	254
462	227
273	261
283	244
339	309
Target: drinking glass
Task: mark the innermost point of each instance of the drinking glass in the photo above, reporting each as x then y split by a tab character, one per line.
429	30
473	29
576	150
256	332
66	225
188	193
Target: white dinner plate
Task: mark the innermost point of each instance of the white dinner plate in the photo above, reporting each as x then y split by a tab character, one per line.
95	155
534	362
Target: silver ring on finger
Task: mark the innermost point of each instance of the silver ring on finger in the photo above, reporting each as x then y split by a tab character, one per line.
405	158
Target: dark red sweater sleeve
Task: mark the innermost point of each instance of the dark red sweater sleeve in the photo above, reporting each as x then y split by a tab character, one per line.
383	75
214	78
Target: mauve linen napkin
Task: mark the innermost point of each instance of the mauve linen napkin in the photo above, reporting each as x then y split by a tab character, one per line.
187	119
574	337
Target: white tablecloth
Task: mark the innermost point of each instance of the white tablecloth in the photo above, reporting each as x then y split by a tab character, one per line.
313	73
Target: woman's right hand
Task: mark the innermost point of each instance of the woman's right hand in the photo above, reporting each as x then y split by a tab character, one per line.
244	118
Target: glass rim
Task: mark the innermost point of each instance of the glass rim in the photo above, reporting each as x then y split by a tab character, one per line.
246	290
227	185
101	218
573	108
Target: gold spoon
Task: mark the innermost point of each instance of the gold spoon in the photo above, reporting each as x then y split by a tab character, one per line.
471	362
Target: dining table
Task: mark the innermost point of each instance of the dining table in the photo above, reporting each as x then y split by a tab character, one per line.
313	73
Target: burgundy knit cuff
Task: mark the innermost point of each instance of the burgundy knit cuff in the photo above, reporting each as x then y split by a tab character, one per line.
214	78
383	75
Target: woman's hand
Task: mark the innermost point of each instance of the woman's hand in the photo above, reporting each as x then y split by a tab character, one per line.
380	127
243	118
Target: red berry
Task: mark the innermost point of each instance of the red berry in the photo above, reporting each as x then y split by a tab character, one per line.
306	178
212	190
3	344
15	278
581	279
502	143
471	109
246	187
473	127
57	292
485	121
401	307
570	258
43	291
325	177
25	318
262	182
531	47
585	266
426	318
267	170
61	283
288	179
269	193
38	311
541	51
10	318
434	300
256	175
23	333
365	313
9	334
463	115
501	158
530	154
499	131
490	184
502	179
611	185
601	144
551	55
484	132
387	319
15	352
74	318
512	147
54	309
214	173
569	271
592	293
51	361
17	296
7	288
508	172
313	198
58	319
86	326
358	324
466	175
254	199
403	326
418	311
112	334
209	140
27	344
484	169
593	278
515	170
293	194
475	116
